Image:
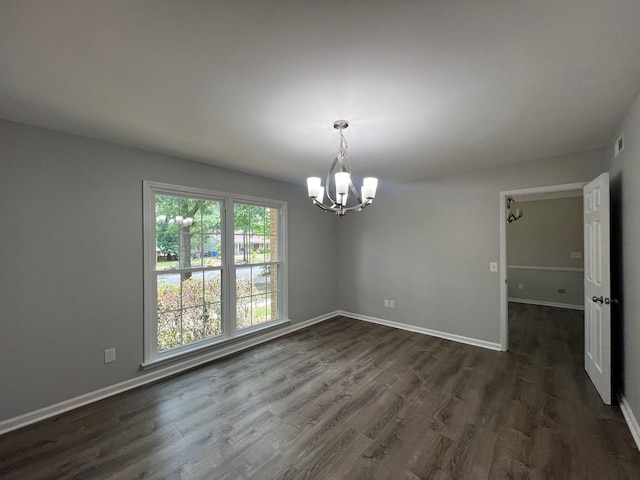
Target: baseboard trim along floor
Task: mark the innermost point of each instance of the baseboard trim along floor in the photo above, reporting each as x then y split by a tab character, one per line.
630	418
542	303
426	331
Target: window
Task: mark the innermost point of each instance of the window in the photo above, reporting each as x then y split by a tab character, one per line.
214	268
256	264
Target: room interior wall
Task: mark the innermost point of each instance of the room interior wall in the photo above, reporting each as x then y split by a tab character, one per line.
539	247
625	233
427	245
72	264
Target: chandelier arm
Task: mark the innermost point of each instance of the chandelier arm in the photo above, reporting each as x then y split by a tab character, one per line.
355	192
358	207
340	210
327	190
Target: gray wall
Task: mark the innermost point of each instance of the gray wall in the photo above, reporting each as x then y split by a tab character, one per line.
544	237
71	258
625	196
428	245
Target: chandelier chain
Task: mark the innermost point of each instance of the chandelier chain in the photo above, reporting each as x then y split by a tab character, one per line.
343	152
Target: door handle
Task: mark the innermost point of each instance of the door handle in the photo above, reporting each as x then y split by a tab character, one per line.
597	299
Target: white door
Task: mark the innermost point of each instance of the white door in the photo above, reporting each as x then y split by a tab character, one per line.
597	286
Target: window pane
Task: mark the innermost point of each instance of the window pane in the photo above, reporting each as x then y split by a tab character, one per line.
168	292
260	279
243	312
272	235
212	286
260	309
169	330
256	295
272	293
259	244
197	252
211	219
167	247
241	247
257	220
243	282
272	249
180	223
193	324
192	289
212	244
213	319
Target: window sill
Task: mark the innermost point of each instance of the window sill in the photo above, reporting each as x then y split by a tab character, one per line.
223	346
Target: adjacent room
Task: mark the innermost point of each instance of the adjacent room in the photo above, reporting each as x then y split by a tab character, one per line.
330	240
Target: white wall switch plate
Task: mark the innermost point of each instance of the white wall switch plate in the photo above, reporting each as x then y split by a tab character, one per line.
493	266
392	303
386	303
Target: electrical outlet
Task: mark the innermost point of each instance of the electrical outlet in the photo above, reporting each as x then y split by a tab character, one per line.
386	303
521	286
575	255
392	303
493	266
110	355
561	290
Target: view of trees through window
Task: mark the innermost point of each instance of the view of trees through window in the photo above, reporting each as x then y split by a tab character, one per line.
255	258
191	258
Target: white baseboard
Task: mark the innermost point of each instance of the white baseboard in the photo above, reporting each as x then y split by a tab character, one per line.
630	418
546	304
160	373
426	331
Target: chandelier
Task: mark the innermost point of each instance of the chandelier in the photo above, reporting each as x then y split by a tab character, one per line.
340	174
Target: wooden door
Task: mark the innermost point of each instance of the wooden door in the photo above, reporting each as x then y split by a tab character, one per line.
597	286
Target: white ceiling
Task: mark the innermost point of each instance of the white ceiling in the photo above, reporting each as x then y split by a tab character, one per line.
429	87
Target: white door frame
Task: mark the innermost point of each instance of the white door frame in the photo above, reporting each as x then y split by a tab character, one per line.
504	319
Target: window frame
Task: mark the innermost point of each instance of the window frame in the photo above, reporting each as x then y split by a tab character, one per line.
227	268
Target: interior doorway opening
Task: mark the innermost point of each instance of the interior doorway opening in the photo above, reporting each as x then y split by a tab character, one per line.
517	276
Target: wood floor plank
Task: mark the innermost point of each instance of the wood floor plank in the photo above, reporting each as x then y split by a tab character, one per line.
345	399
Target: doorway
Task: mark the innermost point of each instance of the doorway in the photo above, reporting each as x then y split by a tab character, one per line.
529	194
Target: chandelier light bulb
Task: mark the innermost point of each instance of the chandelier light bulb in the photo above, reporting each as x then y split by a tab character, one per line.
343	179
314	186
369	186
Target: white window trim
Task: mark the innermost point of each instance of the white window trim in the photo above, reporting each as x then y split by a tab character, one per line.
151	355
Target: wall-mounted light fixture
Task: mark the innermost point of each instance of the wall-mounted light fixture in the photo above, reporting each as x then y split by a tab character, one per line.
512	214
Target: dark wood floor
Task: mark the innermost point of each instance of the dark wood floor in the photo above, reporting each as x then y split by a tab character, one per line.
350	400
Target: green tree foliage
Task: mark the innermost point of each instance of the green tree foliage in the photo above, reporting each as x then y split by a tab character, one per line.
251	219
184	225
